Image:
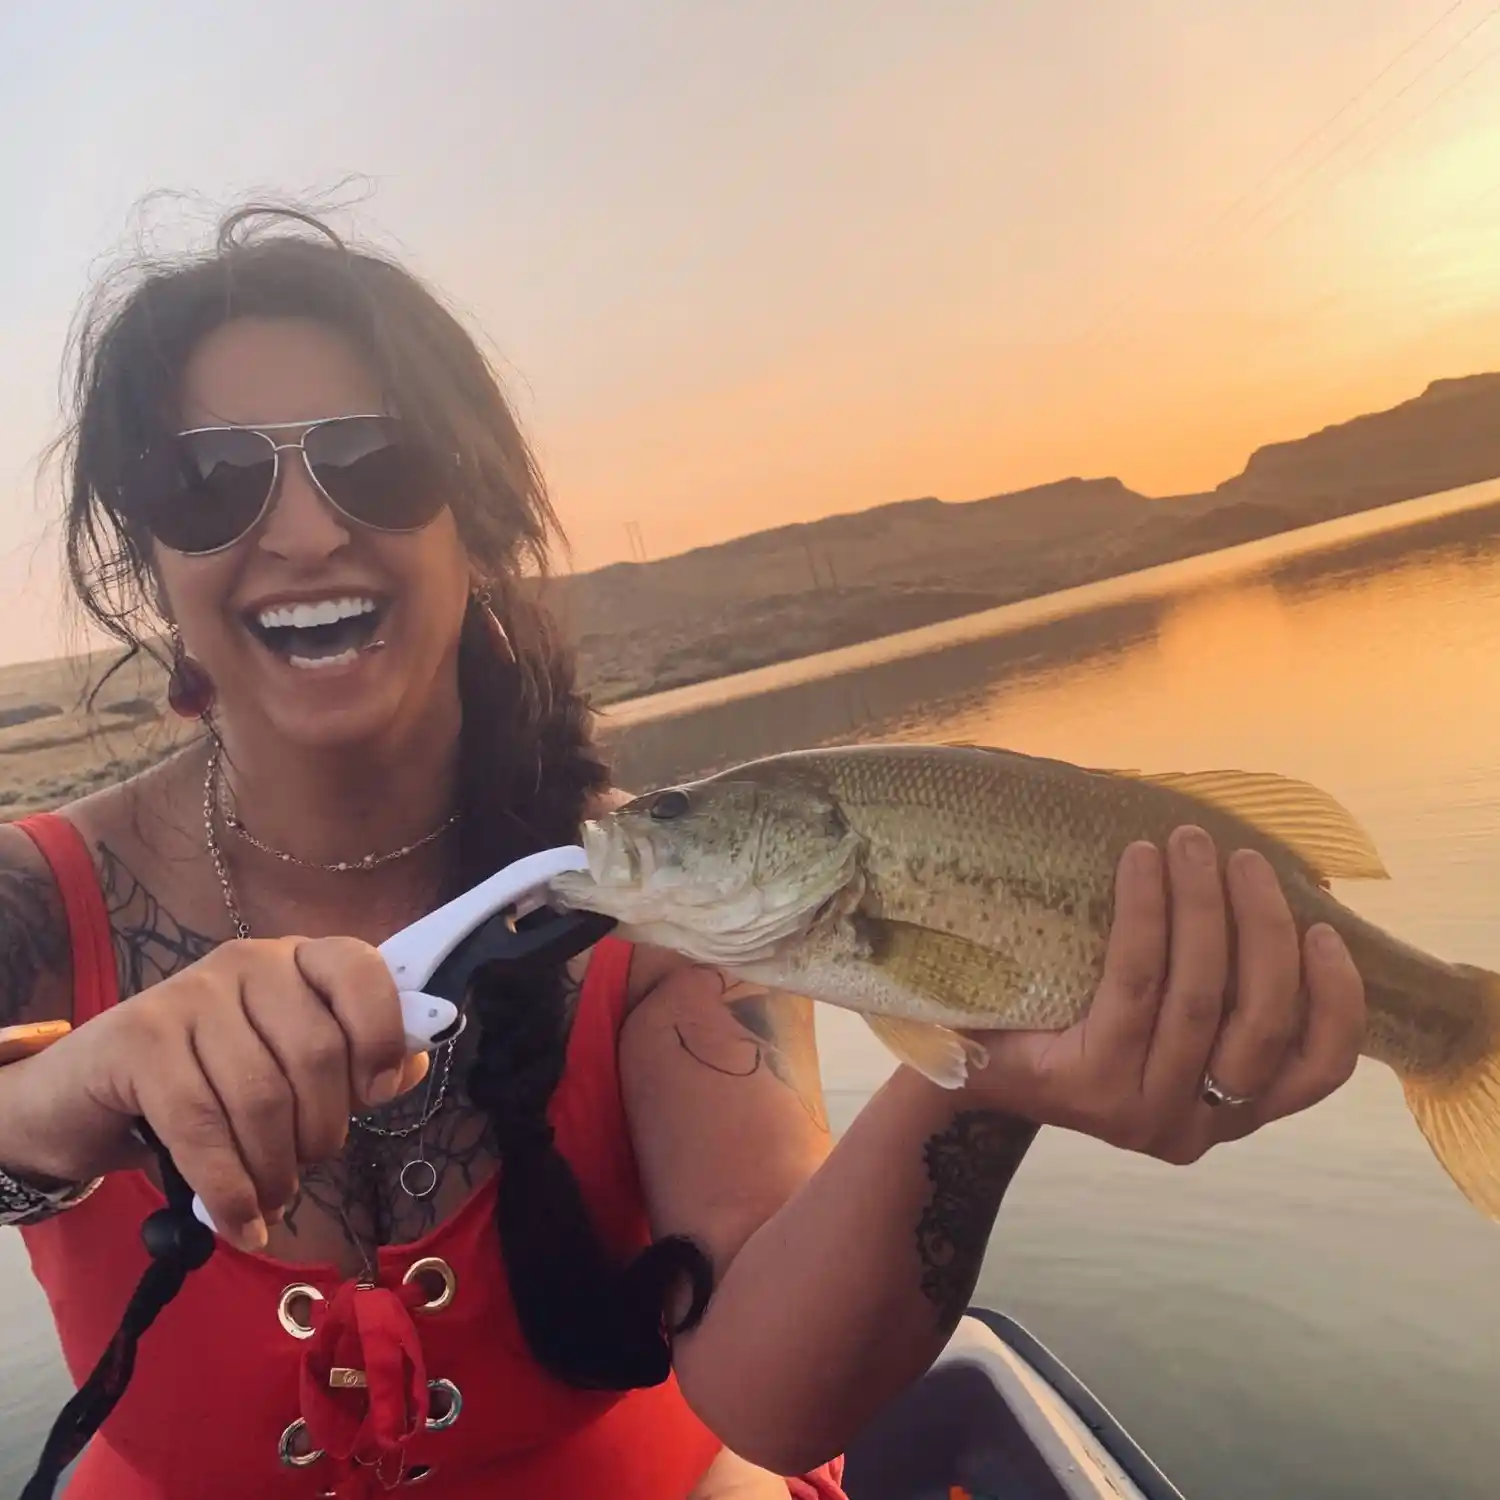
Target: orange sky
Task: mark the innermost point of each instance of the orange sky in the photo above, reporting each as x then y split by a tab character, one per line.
748	265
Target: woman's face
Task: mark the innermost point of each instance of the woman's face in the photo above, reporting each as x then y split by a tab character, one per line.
240	611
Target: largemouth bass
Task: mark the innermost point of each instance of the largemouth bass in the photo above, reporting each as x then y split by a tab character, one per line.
940	890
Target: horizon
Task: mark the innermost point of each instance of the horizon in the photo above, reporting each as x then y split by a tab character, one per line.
964	251
1015	494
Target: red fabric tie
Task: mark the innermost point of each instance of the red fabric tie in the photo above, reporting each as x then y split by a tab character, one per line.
366	1328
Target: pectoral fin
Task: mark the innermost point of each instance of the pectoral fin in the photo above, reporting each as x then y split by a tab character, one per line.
953	973
1303	817
934	1051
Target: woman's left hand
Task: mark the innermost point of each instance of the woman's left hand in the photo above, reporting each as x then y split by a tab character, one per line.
1134	1071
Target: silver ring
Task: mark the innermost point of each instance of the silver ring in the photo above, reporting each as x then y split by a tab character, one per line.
1214	1095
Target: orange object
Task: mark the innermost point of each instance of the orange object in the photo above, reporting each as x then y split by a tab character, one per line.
17	1042
221	1389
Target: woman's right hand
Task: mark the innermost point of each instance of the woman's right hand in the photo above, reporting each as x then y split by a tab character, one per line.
247	1065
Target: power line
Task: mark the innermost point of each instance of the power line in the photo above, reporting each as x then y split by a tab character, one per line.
1429	233
1133	300
1400	129
1336	116
1400	93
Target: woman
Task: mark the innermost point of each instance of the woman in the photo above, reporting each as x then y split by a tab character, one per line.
485	1272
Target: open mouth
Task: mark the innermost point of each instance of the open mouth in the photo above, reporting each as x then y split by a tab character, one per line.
323	633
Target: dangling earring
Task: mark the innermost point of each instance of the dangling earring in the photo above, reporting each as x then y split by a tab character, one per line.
499	640
190	690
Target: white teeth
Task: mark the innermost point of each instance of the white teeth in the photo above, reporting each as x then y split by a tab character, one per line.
312	663
323	612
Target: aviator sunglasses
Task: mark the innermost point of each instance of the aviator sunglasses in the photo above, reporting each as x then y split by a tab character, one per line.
209	487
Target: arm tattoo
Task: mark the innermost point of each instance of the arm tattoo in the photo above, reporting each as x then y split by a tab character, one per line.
150	944
970	1165
33	940
777	1037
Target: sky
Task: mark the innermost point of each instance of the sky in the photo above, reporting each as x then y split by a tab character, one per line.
747	263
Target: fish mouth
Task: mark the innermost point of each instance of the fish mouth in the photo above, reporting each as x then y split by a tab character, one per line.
727	922
617	863
624	876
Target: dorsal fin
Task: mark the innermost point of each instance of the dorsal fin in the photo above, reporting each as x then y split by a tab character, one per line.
1316	828
1303	817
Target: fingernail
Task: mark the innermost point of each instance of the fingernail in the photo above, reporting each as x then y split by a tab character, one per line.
1197	846
1141	859
384	1085
255	1236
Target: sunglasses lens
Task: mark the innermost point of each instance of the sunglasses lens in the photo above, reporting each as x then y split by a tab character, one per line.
206	489
375	474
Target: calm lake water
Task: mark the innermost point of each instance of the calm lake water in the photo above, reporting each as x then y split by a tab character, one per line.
1313	1314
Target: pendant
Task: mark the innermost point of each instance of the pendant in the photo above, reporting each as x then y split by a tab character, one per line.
421	1172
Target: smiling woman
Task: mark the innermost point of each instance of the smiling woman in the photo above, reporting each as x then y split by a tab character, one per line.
297	634
601	1243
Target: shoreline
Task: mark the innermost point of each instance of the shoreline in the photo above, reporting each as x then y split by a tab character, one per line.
54	750
1208	566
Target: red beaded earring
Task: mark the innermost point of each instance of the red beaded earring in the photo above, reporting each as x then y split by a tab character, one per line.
190	690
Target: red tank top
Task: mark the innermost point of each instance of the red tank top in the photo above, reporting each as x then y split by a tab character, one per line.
218	1379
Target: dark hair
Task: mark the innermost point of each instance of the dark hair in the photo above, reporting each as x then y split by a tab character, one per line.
527	763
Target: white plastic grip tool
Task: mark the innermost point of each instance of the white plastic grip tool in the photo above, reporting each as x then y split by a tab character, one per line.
416	953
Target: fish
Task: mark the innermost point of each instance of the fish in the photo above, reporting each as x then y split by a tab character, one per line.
944	889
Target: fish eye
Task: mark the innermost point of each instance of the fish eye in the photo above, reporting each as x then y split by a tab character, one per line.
669	805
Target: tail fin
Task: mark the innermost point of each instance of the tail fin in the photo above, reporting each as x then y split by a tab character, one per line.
1460	1114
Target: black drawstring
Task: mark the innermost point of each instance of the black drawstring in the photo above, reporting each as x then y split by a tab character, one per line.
178	1244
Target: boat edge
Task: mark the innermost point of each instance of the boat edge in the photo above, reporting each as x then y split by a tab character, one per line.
1105	1427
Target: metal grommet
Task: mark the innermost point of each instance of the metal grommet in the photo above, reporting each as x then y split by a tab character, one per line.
455	1405
286	1450
298	1291
433	1265
417	1473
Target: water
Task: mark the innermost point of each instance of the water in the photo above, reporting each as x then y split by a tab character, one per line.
1313	1314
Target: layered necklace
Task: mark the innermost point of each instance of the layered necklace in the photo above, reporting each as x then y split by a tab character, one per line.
418	1177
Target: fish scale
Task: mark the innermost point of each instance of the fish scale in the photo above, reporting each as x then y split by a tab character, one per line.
946	890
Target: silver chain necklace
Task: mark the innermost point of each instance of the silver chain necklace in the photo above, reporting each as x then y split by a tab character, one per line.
418	1177
365	862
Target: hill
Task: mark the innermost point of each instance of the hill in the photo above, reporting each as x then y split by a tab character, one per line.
793	590
1447	437
784	593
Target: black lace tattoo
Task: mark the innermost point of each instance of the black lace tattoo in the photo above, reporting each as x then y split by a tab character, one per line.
361	1190
33	940
970	1165
150	944
777	1037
